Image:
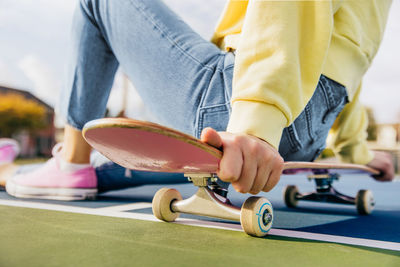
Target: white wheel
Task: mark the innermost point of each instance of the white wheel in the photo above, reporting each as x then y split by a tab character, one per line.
289	195
256	216
365	202
161	204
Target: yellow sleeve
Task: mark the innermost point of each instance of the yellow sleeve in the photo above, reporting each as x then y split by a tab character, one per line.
279	60
348	136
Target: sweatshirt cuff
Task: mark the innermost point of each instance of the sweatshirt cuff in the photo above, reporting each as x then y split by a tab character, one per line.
358	154
258	119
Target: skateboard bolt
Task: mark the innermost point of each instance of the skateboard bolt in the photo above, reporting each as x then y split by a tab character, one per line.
267	217
214	179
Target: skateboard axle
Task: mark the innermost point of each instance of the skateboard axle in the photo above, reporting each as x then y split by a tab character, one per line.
267	217
206	203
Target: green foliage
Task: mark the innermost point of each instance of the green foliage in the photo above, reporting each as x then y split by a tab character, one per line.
18	113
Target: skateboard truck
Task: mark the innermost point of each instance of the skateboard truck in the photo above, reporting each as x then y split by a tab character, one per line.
206	202
208	180
325	192
255	216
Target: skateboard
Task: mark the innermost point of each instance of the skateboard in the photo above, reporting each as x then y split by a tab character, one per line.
148	146
324	175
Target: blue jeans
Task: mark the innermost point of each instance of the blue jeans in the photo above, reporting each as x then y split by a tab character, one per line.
185	80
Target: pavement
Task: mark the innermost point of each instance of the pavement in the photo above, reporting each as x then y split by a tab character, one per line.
336	221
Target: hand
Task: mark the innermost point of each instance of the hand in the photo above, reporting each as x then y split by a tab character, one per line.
249	163
383	162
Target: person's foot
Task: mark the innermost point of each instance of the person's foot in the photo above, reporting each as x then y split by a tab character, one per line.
9	150
50	182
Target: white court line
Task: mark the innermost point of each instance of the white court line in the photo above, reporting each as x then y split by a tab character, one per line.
126	207
226	226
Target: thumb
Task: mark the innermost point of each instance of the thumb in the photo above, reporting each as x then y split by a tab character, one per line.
211	137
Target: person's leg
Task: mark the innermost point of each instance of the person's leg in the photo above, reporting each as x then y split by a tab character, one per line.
111	176
167	61
183	78
75	149
172	67
169	64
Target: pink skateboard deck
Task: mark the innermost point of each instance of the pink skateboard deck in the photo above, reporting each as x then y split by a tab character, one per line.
148	146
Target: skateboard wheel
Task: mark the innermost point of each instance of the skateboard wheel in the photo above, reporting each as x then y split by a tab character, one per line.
161	204
365	202
289	195
256	216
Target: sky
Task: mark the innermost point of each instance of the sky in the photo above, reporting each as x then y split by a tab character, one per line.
34	36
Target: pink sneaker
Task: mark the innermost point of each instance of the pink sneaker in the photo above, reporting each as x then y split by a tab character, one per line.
9	150
49	182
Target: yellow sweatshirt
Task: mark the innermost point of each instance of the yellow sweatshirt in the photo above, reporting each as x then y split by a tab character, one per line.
282	48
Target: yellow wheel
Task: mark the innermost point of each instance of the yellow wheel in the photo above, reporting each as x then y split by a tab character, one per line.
256	216
289	195
162	204
365	202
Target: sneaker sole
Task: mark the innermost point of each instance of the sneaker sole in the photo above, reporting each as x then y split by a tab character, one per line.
67	194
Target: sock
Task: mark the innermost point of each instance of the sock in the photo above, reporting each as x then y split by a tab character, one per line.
71	167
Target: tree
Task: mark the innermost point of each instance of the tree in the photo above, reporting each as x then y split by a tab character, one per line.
19	113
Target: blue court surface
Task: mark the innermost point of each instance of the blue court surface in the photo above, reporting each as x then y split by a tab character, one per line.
314	221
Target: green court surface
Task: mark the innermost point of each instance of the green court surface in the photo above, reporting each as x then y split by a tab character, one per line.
33	237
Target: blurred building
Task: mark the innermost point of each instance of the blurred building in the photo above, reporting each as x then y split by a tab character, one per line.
388	140
38	143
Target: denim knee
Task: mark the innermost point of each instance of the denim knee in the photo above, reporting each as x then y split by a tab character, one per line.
306	137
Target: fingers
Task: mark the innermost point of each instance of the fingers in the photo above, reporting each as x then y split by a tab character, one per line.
211	137
248	174
261	179
275	175
387	173
384	163
250	164
386	167
230	166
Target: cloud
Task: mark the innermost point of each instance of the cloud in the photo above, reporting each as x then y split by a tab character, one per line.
38	28
200	16
44	85
6	76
